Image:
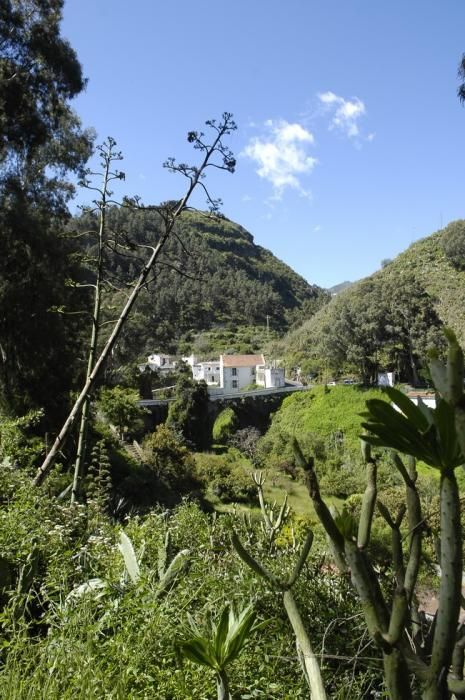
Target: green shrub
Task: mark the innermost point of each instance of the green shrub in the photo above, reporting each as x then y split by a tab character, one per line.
121	408
170	460
227	476
18	445
224	426
453	243
122	645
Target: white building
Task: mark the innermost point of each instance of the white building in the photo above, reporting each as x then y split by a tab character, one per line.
162	363
270	377
230	373
208	372
386	378
239	371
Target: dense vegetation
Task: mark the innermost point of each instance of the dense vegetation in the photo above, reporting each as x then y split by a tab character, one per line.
142	562
388	321
212	274
41	141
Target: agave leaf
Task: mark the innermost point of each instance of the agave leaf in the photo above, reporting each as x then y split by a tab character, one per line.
129	556
96	586
198	650
408	408
221	633
178	565
449	448
438	375
239	633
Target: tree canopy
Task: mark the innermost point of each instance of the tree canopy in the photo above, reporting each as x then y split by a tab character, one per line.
41	141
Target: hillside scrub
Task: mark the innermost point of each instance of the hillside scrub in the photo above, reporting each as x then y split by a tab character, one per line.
388	320
328	417
228	281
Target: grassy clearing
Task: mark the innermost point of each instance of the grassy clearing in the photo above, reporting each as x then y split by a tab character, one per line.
325	412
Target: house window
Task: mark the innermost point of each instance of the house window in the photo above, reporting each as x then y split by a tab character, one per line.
252	371
234	371
212	377
234	383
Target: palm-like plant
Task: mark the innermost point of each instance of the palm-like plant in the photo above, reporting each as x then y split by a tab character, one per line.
227	639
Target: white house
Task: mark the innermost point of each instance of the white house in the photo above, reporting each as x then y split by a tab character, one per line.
230	373
238	371
162	363
270	377
208	372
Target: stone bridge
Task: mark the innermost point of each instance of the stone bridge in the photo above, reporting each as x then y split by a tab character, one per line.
251	407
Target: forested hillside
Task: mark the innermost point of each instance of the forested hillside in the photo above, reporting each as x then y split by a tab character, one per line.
211	274
387	321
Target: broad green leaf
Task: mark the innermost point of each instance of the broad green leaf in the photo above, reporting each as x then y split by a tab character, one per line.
438	375
198	650
129	556
449	449
408	408
176	567
239	633
220	632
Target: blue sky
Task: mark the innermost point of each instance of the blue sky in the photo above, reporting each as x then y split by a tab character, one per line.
350	141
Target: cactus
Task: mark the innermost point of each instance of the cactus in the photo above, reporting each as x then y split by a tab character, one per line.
307	658
438	438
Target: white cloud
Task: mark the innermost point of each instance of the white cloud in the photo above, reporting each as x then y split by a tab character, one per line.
281	155
346	113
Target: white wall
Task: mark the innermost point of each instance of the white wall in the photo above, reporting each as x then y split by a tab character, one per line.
274	377
243	376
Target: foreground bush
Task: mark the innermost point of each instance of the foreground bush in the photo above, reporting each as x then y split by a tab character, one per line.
121	643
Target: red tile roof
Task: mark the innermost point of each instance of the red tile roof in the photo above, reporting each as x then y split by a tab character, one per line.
242	360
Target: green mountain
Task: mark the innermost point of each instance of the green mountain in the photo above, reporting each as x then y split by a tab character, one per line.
387	321
211	276
337	288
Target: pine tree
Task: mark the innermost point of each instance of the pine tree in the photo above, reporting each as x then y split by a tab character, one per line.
41	140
